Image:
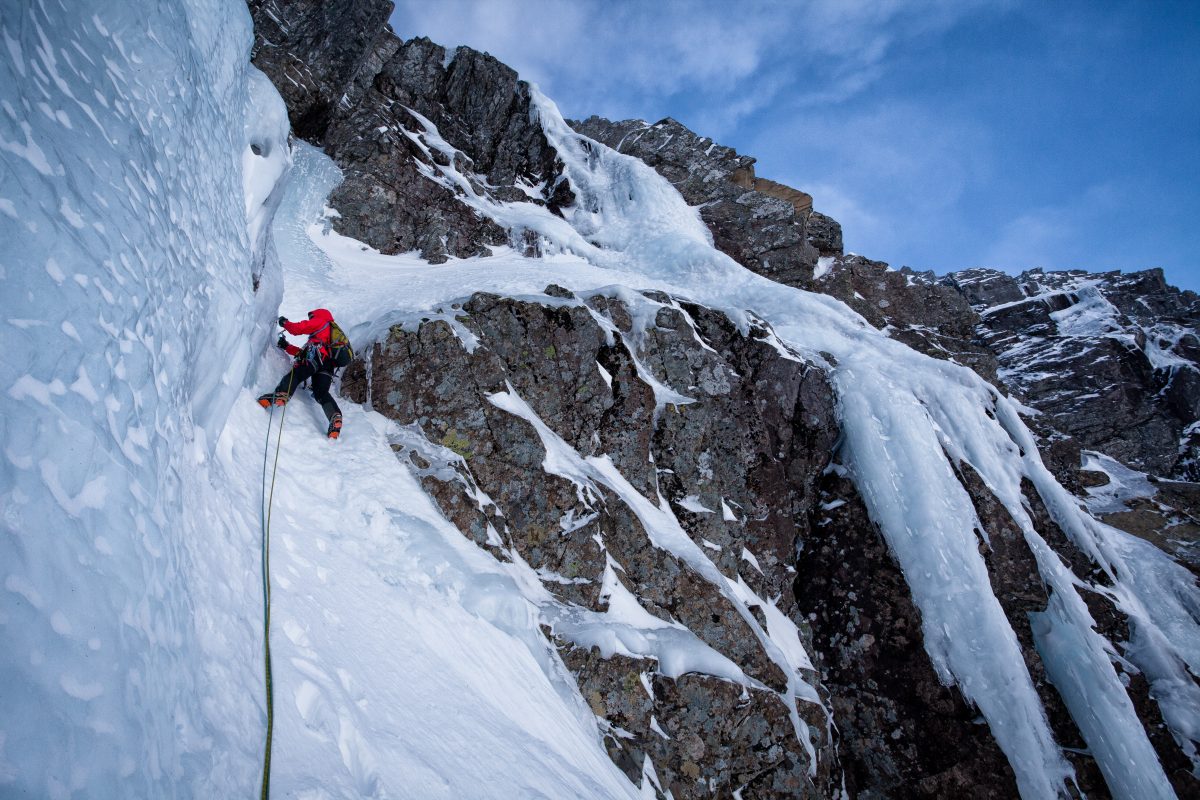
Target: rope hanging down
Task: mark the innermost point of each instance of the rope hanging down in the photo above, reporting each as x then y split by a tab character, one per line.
265	519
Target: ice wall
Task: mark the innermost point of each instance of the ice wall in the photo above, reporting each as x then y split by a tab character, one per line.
125	335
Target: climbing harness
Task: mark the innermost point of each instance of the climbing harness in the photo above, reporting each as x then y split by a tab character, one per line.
265	520
338	348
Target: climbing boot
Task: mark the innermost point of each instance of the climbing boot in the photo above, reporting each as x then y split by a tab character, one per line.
273	399
335	427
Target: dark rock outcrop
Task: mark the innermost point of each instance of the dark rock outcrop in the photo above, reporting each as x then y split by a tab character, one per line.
825	234
312	50
352	87
910	306
1111	359
901	732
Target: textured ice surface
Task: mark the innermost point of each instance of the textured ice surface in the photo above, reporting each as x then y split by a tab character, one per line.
142	163
1124	484
126	333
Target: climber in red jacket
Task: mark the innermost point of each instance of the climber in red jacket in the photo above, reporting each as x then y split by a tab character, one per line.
326	350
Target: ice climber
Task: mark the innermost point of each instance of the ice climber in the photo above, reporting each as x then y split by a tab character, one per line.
326	351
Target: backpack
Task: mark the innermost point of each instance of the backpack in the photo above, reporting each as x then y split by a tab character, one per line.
339	351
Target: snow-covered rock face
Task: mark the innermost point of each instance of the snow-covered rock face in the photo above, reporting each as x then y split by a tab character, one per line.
762	225
356	92
663	535
667	435
1112	359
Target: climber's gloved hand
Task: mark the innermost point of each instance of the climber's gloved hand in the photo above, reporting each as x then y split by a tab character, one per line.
282	343
282	321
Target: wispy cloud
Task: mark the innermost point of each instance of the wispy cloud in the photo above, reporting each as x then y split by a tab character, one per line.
1056	236
887	170
892	173
627	58
839	98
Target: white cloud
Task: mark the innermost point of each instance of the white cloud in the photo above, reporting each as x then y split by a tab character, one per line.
894	160
891	172
628	58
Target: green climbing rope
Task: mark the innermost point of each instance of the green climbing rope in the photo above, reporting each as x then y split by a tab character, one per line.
265	518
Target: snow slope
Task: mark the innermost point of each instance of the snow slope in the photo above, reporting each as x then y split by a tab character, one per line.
146	192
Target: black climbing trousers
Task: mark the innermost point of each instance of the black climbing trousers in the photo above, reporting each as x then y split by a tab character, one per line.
322	379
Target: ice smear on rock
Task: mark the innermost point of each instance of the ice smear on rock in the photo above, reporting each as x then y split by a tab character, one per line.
626	628
1124	484
664	531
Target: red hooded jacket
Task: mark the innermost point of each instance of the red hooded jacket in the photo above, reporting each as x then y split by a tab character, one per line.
318	326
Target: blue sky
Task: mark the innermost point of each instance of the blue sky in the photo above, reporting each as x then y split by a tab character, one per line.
942	134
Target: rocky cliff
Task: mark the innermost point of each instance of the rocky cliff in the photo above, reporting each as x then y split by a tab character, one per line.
1112	359
359	95
736	436
749	467
738	464
1104	362
761	224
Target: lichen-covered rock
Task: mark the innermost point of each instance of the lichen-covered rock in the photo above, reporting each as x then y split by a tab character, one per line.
677	722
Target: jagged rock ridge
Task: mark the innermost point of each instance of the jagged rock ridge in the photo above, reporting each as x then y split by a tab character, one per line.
360	106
